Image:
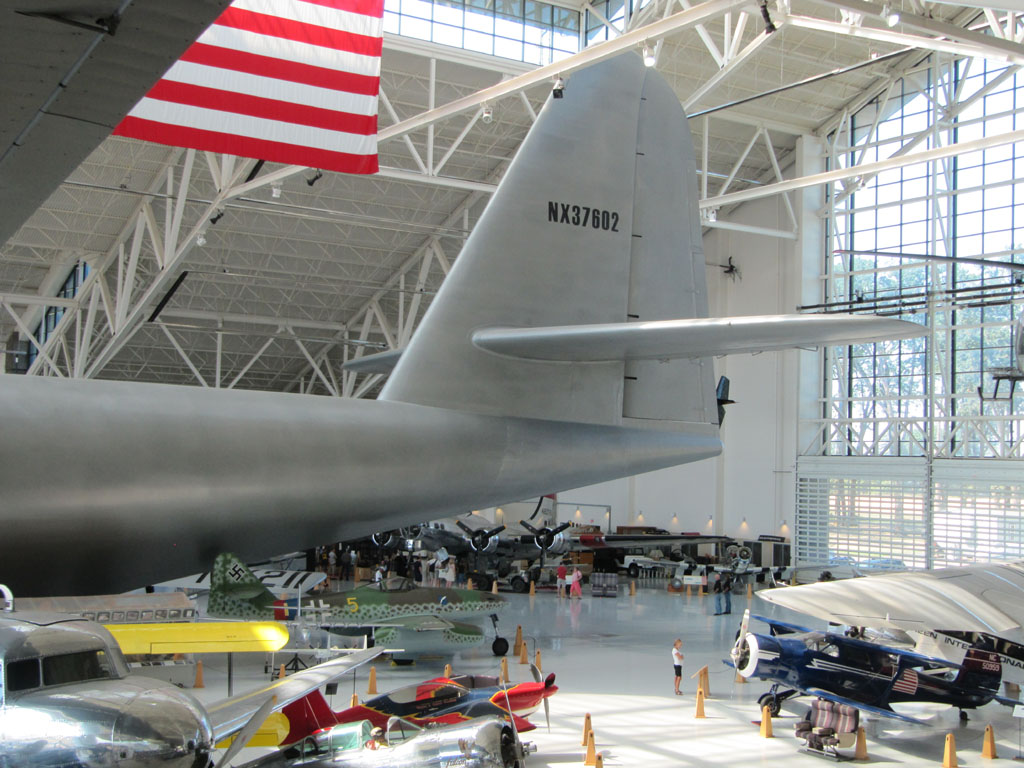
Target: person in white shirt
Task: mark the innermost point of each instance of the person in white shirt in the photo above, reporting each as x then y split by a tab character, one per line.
677	663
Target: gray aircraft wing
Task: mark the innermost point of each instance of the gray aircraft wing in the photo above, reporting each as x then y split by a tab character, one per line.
984	598
229	716
75	69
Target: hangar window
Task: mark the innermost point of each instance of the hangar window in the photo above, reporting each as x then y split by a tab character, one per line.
908	462
525	30
52	316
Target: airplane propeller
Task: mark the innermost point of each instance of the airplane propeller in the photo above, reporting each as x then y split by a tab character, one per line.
248	731
545	537
479	539
741	650
548	682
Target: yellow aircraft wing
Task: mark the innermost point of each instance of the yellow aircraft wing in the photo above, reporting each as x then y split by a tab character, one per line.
200	637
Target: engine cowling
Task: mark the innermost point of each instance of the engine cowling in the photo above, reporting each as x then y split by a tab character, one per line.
757	656
559	544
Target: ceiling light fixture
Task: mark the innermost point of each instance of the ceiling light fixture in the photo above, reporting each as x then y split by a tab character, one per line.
769	27
889	16
201	238
317	175
487	115
649	58
275	191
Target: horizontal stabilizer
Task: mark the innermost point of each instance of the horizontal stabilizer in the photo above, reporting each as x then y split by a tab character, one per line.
696	337
379	362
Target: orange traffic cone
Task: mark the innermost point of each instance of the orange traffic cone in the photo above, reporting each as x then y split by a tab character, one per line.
591	756
699	714
469	584
519	638
703	681
533	588
766	723
586	729
199	675
372	687
988	745
355	700
447	670
281	673
504	670
522	654
494	587
598	761
536	661
860	752
949	753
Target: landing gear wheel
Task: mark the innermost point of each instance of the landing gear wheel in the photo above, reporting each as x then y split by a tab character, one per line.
500	646
509	753
402	662
633	570
771	701
963	716
518	584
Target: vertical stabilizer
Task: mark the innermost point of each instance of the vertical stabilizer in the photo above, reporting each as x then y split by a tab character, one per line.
236	592
595	222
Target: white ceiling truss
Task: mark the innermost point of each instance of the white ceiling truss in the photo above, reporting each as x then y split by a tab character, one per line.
292	272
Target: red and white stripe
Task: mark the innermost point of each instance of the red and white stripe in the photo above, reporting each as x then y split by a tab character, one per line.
907	682
288	81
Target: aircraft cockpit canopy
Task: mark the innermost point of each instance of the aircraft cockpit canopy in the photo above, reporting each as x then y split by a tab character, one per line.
43	650
394	584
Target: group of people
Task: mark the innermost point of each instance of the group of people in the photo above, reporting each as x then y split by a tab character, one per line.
562	580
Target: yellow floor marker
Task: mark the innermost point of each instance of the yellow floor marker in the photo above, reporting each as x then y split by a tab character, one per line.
988	745
586	729
949	753
703	681
860	752
591	756
699	714
766	723
372	687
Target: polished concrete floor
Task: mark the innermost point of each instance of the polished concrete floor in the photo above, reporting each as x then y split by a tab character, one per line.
612	658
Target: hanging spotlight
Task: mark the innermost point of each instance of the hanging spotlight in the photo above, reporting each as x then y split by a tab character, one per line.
275	191
487	116
889	16
317	175
558	87
649	58
201	238
217	216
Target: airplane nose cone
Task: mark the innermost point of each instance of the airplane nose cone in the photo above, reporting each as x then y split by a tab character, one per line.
165	725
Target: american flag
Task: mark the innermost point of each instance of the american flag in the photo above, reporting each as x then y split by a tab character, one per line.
907	682
287	81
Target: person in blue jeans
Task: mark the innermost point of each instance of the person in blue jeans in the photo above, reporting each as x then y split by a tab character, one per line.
716	589
727	592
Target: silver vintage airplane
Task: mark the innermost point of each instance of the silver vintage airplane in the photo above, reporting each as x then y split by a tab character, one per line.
569	345
66	698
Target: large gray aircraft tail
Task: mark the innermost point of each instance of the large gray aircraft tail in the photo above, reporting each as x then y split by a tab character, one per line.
595	222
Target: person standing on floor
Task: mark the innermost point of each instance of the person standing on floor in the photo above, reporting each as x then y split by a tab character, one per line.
716	589
677	663
560	574
727	592
576	590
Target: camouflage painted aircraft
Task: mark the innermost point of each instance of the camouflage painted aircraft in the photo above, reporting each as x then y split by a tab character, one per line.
415	619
